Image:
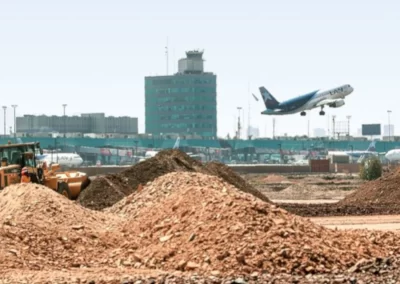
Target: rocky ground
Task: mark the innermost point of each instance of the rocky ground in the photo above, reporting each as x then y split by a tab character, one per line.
331	195
188	223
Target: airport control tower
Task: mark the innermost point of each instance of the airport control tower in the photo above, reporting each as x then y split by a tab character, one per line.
192	64
184	103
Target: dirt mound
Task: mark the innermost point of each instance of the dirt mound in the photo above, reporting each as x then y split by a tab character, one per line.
228	175
385	190
275	179
41	229
197	222
102	193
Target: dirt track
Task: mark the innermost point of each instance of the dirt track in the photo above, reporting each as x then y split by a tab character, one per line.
383	222
333	209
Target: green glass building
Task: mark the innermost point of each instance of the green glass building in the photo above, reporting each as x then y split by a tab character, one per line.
184	103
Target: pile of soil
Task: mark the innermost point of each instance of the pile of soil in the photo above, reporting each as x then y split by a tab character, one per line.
228	175
196	222
185	221
105	191
275	179
42	229
385	190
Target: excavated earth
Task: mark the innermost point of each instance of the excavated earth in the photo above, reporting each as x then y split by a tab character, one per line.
334	209
182	227
105	191
378	197
385	190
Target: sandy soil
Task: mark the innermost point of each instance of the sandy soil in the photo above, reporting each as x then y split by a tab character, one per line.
306	201
382	222
314	188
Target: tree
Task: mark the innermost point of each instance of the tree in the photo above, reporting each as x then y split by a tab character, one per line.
371	168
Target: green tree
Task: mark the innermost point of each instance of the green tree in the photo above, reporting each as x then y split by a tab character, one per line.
371	168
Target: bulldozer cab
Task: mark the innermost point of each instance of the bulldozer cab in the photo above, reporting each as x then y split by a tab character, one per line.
13	158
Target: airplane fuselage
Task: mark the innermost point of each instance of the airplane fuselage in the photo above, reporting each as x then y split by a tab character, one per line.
63	159
311	101
393	155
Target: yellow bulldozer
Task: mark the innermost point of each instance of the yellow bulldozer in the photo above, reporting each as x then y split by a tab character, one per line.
15	157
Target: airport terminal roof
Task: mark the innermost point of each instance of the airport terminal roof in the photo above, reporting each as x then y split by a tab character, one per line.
293	145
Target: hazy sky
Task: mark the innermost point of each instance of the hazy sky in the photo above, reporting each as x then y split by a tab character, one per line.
93	55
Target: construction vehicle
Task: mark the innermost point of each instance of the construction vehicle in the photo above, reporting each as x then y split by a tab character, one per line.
15	157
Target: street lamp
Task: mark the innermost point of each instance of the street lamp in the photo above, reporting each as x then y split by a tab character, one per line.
348	125
239	128
333	126
65	124
136	148
389	112
5	128
15	122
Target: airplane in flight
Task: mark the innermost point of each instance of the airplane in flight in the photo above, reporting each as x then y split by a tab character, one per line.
317	99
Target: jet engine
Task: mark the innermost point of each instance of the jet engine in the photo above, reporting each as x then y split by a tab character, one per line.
338	103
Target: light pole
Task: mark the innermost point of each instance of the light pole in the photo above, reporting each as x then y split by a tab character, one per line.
389	112
65	124
5	127
333	126
348	125
15	122
239	128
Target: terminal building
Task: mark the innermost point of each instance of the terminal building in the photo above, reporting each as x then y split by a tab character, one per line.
184	103
86	123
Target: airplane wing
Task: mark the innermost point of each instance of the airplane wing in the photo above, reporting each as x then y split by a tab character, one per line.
328	102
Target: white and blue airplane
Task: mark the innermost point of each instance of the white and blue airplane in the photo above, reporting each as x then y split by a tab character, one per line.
318	99
393	155
63	159
371	151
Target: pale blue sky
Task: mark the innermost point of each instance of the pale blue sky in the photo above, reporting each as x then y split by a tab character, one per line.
93	55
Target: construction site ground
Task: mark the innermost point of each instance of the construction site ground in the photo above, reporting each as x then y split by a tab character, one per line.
173	220
315	196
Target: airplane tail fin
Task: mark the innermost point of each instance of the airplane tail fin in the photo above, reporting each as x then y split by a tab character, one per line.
176	145
371	147
269	100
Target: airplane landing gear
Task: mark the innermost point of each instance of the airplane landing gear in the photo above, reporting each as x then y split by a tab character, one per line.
322	111
303	113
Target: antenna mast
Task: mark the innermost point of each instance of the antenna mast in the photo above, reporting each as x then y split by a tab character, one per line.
173	58
248	119
166	54
273	128
239	126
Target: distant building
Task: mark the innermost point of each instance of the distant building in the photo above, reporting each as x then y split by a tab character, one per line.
184	103
254	132
86	123
388	130
319	132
